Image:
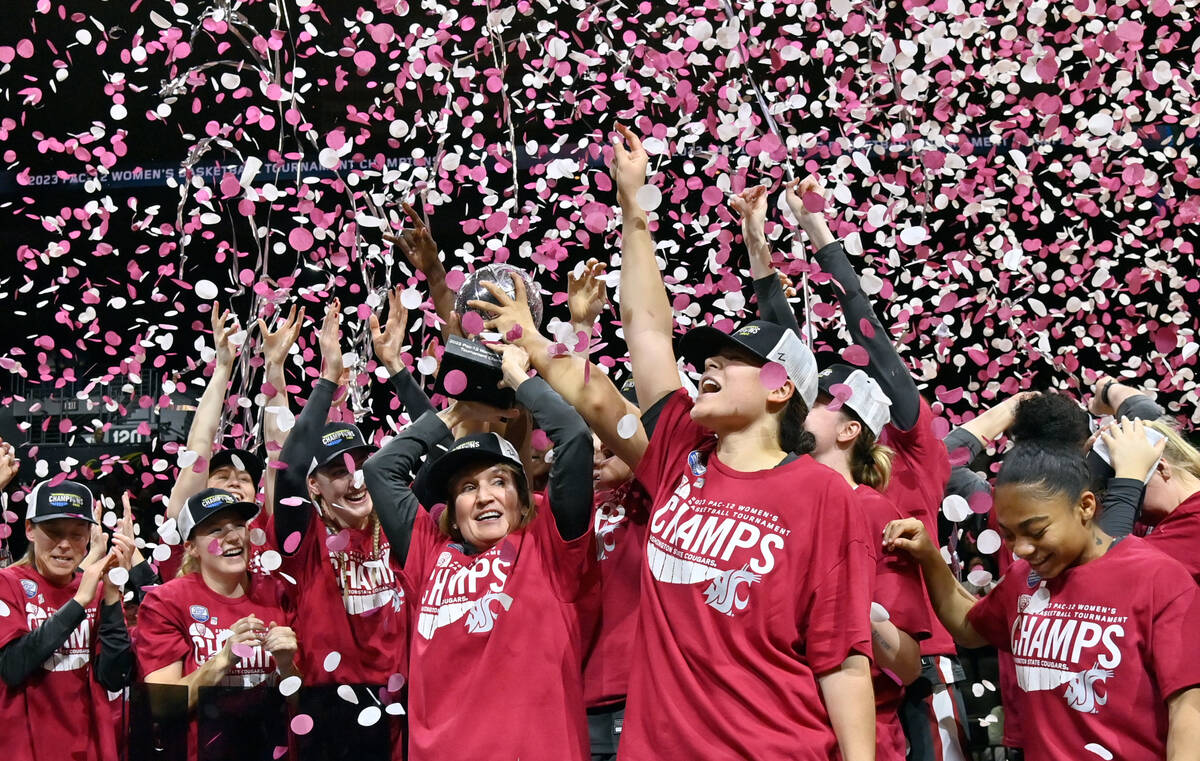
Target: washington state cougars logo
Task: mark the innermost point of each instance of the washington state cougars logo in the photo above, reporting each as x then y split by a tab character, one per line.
481	617
606	521
1082	692
722	594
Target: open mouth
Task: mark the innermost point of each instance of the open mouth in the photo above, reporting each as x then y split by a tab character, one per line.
488	516
708	385
233	552
64	559
357	498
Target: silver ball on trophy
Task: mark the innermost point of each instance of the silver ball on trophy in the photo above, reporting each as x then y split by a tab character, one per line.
503	275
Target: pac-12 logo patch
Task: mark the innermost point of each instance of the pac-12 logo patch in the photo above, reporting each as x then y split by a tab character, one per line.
30	586
199	613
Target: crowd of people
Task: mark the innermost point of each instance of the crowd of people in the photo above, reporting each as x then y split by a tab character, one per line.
747	566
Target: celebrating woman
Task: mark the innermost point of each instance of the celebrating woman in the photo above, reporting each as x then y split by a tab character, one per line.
63	640
217	625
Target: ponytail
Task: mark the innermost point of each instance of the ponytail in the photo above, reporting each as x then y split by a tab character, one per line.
870	461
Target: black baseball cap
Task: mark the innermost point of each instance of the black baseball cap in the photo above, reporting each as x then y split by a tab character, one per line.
432	485
65	499
205	504
867	398
763	339
241	459
337	439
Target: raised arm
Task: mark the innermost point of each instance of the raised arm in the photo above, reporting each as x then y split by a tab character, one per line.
207	419
751	206
587	294
421	251
581	384
645	309
570	489
275	349
1111	397
951	602
886	366
292	506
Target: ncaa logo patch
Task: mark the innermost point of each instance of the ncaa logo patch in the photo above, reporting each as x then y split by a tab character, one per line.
30	586
199	613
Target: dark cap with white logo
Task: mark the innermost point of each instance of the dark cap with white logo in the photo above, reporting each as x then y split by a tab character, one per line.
762	339
240	459
66	499
204	505
432	485
336	440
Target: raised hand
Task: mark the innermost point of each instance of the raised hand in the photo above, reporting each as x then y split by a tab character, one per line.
1132	454
330	341
390	339
508	313
97	563
223	328
514	365
417	244
586	295
629	165
277	344
9	464
751	205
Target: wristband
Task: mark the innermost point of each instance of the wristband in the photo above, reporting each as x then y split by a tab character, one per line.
1104	391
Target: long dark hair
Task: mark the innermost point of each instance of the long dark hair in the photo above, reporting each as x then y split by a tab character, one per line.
792	436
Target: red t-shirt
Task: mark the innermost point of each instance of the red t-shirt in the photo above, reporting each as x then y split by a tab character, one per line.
496	650
1097	651
1178	535
920	472
348	601
61	711
754	583
184	620
610	612
1010	693
898	588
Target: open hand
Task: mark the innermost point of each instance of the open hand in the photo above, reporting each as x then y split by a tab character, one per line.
223	328
330	341
417	244
586	295
390	339
629	164
507	313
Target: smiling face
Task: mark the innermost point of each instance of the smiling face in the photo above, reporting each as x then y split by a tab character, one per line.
731	395
59	546
342	493
487	504
1048	530
236	482
221	545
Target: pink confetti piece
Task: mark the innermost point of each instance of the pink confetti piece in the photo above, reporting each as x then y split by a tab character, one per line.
980	502
242	650
395	682
291	542
472	323
856	355
814	203
338	542
455	382
772	376
214	547
301	724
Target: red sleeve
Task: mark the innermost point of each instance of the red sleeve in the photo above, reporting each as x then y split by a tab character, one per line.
675	436
569	564
898	588
1176	618
12	609
921	466
162	634
169	569
425	537
992	616
839	607
1179	539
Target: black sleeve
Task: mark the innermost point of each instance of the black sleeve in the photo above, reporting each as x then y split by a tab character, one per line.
886	366
413	400
141	576
773	305
389	472
114	661
650	416
1121	507
1140	407
570	489
291	482
20	658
